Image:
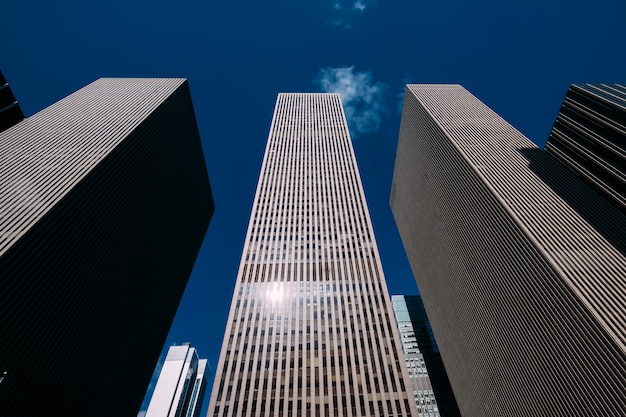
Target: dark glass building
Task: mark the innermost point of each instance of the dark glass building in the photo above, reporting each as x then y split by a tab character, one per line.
10	111
105	202
520	265
589	137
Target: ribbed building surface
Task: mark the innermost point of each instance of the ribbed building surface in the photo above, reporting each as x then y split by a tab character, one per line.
181	386
104	202
589	136
429	381
527	300
310	330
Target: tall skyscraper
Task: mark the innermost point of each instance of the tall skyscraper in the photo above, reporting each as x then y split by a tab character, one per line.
520	265
10	111
104	202
427	374
180	389
310	331
589	137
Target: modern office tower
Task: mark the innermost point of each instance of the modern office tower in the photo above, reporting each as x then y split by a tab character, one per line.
427	374
310	331
589	137
104	202
180	388
520	265
10	111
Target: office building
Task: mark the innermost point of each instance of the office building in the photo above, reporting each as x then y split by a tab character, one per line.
429	381
10	111
310	331
105	201
180	389
520	265
589	137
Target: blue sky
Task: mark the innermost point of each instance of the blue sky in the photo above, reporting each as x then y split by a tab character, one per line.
517	57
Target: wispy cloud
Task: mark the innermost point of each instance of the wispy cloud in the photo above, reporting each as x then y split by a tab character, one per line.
344	11
408	79
363	98
360	5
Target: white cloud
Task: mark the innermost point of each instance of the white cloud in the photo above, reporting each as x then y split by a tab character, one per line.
363	99
408	79
334	22
343	11
400	101
359	5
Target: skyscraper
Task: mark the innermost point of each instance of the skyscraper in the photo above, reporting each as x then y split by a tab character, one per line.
589	137
10	111
104	202
180	389
427	374
520	265
310	331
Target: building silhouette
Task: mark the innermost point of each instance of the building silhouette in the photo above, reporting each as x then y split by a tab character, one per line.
429	381
589	137
10	111
180	389
310	331
520	264
105	201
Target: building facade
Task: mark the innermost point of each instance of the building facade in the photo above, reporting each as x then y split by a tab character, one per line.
520	265
105	201
429	381
589	137
310	331
179	391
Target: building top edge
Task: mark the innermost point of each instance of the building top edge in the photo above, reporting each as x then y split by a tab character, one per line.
83	127
308	94
434	85
141	79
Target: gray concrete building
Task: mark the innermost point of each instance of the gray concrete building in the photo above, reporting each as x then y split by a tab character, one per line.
104	203
589	137
520	265
310	330
180	389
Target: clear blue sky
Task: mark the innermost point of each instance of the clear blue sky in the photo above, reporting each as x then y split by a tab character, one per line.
517	57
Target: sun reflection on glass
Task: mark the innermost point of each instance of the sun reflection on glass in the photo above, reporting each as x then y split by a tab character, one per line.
276	294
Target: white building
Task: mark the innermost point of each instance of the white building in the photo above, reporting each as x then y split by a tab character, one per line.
181	386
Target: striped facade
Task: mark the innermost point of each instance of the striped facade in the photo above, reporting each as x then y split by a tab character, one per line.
520	265
104	202
589	137
310	330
